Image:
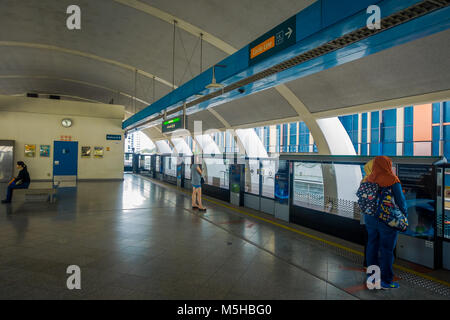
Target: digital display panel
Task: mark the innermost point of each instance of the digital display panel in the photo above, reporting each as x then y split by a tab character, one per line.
172	124
419	186
282	182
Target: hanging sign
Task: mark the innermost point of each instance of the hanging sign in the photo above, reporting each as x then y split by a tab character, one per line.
276	40
172	124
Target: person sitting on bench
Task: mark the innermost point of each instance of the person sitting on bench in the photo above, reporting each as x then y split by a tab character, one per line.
21	182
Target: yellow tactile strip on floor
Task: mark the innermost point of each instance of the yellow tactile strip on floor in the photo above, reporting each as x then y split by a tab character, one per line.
415	278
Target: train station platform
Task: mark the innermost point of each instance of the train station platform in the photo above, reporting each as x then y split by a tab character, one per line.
140	239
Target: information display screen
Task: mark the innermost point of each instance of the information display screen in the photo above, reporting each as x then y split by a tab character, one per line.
282	182
235	178
419	186
172	124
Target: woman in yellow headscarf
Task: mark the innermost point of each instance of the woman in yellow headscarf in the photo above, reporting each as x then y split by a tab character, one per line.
367	170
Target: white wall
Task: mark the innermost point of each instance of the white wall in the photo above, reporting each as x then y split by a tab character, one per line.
38	121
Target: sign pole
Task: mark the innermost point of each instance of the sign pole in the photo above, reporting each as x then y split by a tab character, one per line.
184	115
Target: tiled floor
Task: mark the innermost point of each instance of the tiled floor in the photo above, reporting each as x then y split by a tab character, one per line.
139	240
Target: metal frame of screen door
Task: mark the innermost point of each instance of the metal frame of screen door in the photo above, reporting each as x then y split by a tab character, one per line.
258	201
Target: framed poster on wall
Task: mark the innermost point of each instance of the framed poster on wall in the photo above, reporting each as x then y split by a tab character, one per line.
98	152
30	150
44	150
85	152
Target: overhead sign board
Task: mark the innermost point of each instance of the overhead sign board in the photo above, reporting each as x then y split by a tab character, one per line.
276	40
114	137
172	124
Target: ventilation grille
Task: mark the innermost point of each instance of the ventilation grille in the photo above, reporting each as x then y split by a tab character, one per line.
391	21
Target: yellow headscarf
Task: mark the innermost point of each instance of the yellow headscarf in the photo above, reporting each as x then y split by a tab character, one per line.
368	169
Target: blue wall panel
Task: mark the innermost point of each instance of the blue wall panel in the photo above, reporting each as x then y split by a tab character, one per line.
436	137
364	134
446	108
389	132
334	11
303	137
408	148
375	134
436	112
447	142
309	21
293	137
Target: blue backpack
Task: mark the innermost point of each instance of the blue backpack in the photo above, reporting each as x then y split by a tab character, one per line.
389	212
368	198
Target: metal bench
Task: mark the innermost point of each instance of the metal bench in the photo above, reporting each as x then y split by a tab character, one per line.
36	191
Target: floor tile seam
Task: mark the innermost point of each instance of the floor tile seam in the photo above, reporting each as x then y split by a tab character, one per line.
251	242
323	245
275	255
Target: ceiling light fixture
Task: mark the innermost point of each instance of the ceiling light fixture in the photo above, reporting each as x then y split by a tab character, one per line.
213	83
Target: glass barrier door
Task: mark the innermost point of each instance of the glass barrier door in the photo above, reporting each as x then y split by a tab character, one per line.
128	162
260	184
187	172
216	175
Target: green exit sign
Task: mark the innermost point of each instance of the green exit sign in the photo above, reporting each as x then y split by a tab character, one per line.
172	124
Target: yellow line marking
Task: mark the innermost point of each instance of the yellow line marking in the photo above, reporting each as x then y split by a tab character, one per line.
445	283
334	244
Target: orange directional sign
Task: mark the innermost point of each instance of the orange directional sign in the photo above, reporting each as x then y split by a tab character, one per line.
262	47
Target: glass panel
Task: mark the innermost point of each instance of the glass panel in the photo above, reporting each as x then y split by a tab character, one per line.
148	160
142	162
187	167
308	185
128	160
170	166
158	164
269	167
252	176
327	187
419	187
216	173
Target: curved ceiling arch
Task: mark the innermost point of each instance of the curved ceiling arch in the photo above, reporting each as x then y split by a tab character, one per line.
186	26
283	90
59	94
85	55
296	104
73	81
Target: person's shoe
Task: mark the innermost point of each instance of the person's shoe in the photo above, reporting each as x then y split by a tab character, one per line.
202	209
392	285
6	201
194	207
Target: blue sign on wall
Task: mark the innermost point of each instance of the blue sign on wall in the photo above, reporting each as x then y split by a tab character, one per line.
114	137
274	41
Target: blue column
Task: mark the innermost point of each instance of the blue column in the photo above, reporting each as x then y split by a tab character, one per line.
436	128
408	148
364	134
446	109
389	133
375	146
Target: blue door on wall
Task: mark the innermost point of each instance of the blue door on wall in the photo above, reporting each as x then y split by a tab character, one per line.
65	158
